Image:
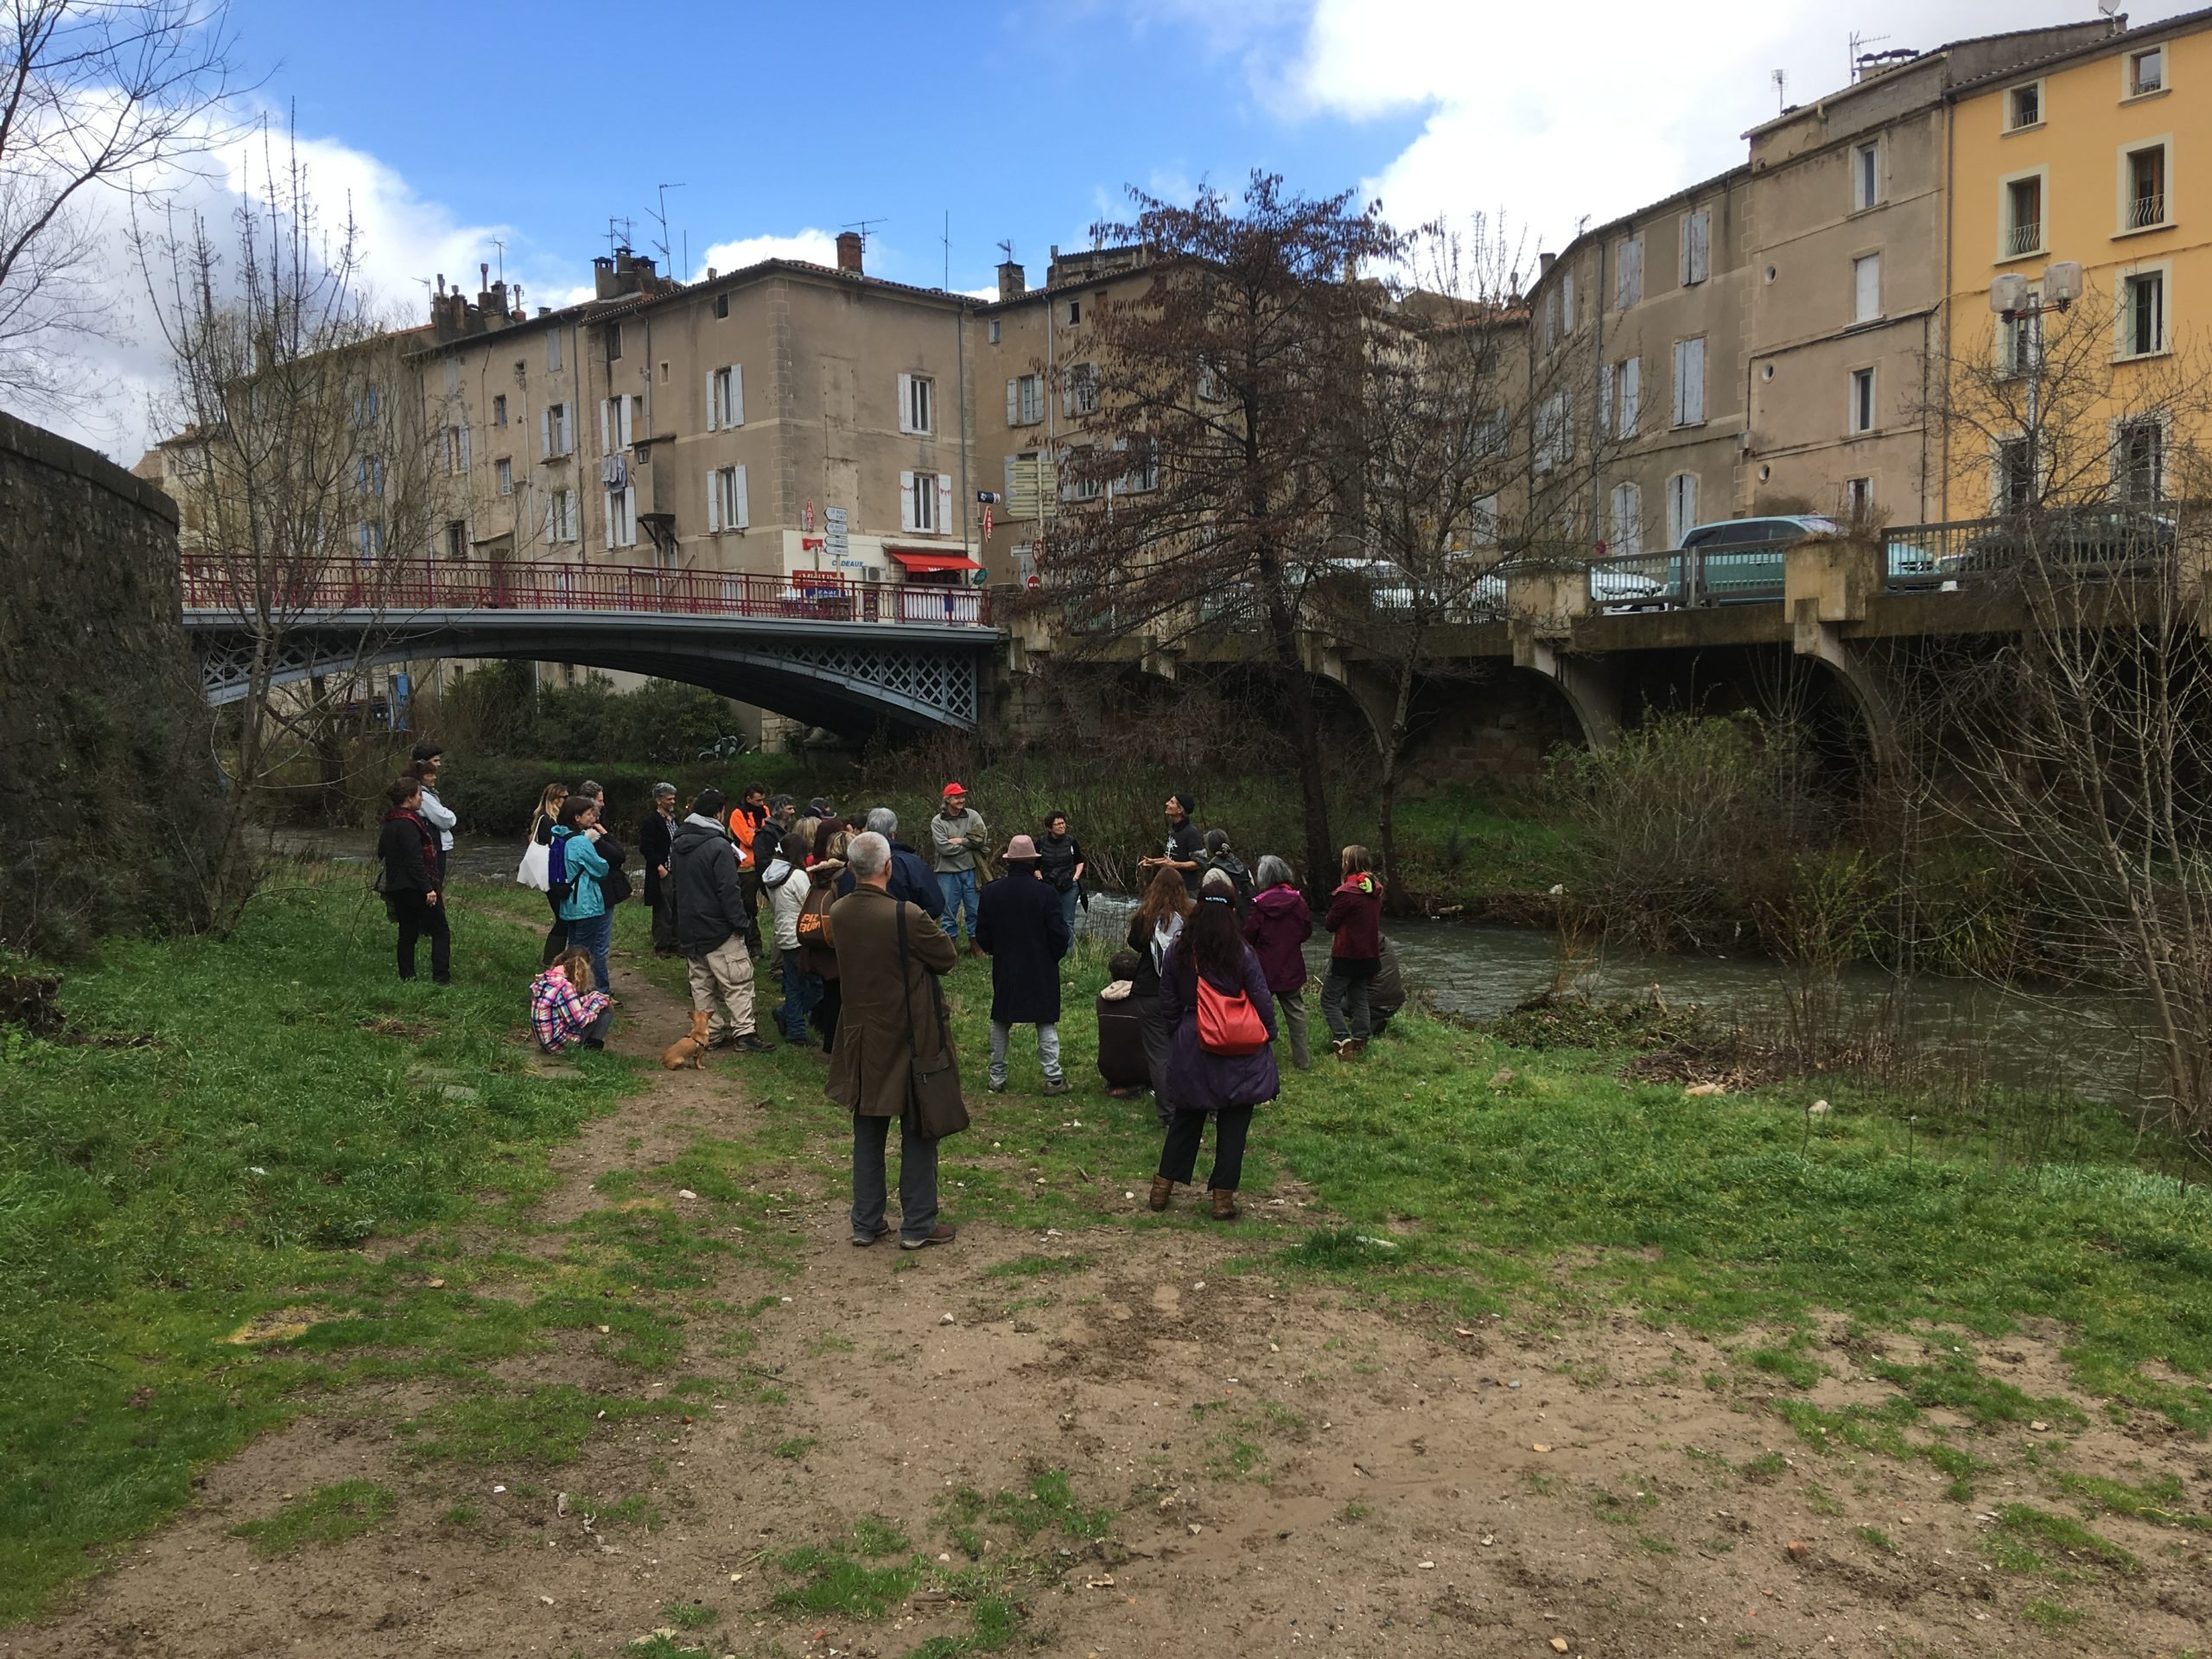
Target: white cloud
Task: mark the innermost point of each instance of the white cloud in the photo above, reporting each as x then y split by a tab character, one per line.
816	247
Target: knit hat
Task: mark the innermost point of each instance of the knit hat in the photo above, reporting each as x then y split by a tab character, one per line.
1019	850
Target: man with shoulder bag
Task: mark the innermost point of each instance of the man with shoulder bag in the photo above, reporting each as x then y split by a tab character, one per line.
893	1056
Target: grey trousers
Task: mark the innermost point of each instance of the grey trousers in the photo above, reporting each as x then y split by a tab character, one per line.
1344	1005
1290	1014
1048	1050
917	1180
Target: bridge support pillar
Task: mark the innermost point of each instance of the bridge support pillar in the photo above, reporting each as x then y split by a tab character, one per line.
1591	685
1824	642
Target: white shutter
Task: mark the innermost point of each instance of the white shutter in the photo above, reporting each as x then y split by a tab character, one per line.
737	394
714	502
633	411
545	434
1566	301
906	501
605	447
1605	400
464	449
1014	403
1695	395
905	403
607	517
714	414
1008	494
944	526
1866	288
1631	409
740	504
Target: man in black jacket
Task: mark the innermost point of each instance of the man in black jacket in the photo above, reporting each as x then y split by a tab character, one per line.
710	924
408	853
655	837
911	875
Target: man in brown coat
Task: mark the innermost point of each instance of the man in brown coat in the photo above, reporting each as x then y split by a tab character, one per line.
870	1068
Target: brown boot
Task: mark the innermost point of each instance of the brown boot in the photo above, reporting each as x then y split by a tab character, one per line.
1224	1204
1162	1190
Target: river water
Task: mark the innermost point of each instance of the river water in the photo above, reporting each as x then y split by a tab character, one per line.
2069	1041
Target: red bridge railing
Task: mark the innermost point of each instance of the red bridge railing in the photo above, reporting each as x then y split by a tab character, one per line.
215	585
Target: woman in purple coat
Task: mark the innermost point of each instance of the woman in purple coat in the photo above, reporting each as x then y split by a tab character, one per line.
1202	1080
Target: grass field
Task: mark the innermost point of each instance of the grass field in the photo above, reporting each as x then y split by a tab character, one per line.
200	1205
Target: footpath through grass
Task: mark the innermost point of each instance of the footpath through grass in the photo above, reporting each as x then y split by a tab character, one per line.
181	1223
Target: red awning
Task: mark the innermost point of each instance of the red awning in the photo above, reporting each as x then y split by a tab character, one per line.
920	561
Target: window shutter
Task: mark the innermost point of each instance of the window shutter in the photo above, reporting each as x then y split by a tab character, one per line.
605	447
1605	400
906	501
607	517
1694	396
464	449
1566	301
714	502
1867	285
740	504
633	411
545	434
1632	396
714	414
737	394
1014	403
944	526
1008	492
905	403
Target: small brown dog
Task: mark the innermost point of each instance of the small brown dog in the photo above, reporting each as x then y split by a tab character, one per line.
689	1051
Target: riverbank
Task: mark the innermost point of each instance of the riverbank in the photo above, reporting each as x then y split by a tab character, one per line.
1502	1310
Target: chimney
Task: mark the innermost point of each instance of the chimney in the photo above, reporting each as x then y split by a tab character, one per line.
849	252
710	273
1014	282
1544	265
603	278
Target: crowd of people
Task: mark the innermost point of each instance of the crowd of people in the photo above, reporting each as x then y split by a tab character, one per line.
861	928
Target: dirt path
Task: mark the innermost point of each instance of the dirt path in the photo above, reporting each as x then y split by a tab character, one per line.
1266	1469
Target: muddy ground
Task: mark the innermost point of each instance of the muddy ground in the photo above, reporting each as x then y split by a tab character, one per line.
1280	1466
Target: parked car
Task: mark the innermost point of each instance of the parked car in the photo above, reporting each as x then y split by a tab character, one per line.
2094	541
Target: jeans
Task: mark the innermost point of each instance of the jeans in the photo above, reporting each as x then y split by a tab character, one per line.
722	986
1067	915
917	1180
1048	1051
801	992
1179	1157
958	887
1155	1053
1290	1011
418	919
592	934
1341	991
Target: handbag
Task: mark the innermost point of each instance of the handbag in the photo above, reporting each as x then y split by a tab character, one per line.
1228	1025
535	869
934	1105
614	886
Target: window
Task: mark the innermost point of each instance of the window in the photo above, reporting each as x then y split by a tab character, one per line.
622	517
1628	520
2143	190
2023	217
1143	474
721	305
2023	106
366	406
500	410
1859	499
917	403
613	341
1865	176
1482	521
552	348
368	475
2143	319
1555	434
2013	480
457	538
993	331
1861	416
554	437
1566	301
1697	247
503	471
454	441
1866	288
2019	341
1025	400
618	419
1628	272
925	503
1082	483
1081	396
1689	382
2146	71
727	505
2138	460
1681	507
561	516
1628	375
1075	312
726	397
368	537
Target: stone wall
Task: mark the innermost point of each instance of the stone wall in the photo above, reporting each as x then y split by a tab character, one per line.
1498	729
105	739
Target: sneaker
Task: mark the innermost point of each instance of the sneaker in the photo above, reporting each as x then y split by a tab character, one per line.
752	1043
945	1233
861	1240
998	1085
1057	1086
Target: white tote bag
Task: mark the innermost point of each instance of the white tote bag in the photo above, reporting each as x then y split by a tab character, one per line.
534	871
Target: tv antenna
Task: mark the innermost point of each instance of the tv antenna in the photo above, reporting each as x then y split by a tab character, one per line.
947	240
617	237
1781	87
1007	248
499	247
1857	56
862	226
667	257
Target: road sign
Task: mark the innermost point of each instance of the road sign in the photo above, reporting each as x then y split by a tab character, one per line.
833	531
806	518
986	524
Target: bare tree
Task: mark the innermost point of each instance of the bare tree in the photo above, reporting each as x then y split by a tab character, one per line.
2074	729
302	475
94	93
1206	482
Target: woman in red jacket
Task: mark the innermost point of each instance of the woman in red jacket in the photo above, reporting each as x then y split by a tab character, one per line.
1356	917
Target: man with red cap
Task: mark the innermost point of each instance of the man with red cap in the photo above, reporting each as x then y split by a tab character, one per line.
958	839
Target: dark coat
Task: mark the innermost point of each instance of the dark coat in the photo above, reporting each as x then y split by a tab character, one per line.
1019	925
1121	1043
1058	855
1203	1082
703	866
655	836
1279	922
870	1068
911	879
1386	992
408	855
1356	917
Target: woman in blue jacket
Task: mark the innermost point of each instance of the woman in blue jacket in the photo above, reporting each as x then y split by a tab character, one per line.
576	860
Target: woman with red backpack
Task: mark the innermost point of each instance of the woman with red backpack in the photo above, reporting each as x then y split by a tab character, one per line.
1215	1001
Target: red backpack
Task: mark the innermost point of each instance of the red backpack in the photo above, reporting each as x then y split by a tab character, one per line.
1228	1024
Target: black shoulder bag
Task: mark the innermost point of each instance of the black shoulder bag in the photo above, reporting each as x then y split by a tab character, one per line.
933	1098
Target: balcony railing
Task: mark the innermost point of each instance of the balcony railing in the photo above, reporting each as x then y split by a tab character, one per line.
2024	236
2147	211
400	589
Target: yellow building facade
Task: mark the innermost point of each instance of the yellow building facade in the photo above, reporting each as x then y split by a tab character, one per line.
2099	157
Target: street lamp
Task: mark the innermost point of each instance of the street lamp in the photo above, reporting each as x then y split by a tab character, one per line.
2011	298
